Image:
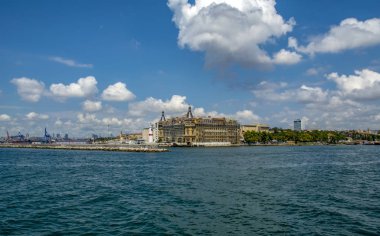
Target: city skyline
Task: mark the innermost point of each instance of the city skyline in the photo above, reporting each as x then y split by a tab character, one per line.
77	67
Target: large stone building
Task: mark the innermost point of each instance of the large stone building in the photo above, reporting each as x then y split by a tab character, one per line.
254	127
197	130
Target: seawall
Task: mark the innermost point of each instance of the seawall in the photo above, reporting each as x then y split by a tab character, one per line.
89	147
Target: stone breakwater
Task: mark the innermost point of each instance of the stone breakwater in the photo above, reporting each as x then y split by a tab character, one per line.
89	147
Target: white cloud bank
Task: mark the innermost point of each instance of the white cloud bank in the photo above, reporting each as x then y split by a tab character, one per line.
69	62
364	84
247	117
176	104
36	116
91	106
350	89
278	93
117	92
91	121
232	31
85	87
30	90
349	34
352	104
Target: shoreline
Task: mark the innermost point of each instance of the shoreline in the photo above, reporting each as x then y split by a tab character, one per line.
158	148
89	147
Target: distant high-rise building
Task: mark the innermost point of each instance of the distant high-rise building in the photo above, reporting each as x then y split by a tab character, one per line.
66	136
297	125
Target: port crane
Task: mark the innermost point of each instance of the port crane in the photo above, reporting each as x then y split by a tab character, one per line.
47	137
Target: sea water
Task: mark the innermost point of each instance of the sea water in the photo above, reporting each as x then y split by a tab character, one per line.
325	190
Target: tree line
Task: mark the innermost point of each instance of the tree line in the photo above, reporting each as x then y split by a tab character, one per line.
323	136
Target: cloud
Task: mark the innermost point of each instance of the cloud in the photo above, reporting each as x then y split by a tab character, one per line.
92	123
36	116
5	117
69	62
230	31
376	117
284	57
247	116
365	84
349	106
244	116
85	87
278	93
337	114
201	112
87	118
312	72
135	44
117	92
176	104
58	122
91	106
30	90
112	121
307	94
266	85
349	34
305	122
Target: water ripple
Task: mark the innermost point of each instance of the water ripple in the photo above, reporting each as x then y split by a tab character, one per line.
207	191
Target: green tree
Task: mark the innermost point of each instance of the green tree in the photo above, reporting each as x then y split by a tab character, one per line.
251	137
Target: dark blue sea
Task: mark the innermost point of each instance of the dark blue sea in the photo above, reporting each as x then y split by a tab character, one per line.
314	190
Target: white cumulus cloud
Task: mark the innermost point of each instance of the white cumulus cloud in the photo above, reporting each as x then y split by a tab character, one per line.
284	57
84	87
30	90
229	31
91	106
176	104
36	116
306	94
349	34
5	117
87	118
117	92
364	84
247	116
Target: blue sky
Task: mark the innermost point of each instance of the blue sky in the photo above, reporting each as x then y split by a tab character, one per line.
78	66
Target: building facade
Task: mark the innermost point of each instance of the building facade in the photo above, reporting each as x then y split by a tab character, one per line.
255	127
196	130
297	125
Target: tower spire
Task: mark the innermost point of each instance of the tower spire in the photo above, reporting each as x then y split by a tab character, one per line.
163	116
189	113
